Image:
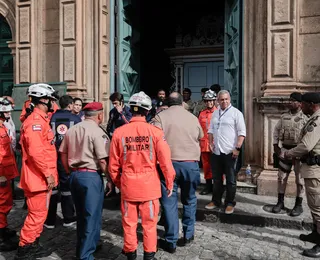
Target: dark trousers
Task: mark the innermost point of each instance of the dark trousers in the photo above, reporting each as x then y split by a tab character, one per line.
188	178
224	164
87	193
67	205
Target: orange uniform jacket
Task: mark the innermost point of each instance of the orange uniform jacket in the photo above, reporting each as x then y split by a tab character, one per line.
135	149
204	120
26	105
8	167
39	156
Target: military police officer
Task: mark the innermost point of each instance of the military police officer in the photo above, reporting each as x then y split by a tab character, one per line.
287	131
308	150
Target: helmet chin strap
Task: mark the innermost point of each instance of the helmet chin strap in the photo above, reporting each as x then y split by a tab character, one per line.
49	105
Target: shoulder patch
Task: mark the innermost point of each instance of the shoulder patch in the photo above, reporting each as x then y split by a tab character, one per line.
297	119
62	129
36	127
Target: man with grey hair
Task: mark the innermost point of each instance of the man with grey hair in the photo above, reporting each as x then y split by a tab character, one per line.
84	152
226	134
182	132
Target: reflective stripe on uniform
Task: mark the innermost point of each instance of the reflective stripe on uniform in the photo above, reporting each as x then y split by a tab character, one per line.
151	209
54	192
125	205
65	193
150	147
124	149
53	127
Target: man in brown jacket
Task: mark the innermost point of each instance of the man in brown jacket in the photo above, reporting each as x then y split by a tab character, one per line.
182	132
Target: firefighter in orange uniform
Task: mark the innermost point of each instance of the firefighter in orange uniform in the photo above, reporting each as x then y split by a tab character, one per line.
8	171
39	170
135	149
28	108
204	120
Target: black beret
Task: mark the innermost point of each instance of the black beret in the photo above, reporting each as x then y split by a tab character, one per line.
297	96
311	97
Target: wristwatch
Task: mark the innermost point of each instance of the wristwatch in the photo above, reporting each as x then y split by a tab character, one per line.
238	149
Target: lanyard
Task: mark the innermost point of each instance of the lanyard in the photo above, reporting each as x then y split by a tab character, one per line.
222	114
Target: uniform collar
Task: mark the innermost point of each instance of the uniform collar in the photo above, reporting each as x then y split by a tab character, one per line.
41	113
210	110
317	113
138	119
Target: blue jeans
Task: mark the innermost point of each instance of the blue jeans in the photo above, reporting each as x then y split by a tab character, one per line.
87	193
188	178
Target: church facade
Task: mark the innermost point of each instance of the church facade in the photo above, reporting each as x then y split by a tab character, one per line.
91	48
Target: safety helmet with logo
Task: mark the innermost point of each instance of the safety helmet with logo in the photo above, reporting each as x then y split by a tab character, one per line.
210	95
140	99
5	107
41	90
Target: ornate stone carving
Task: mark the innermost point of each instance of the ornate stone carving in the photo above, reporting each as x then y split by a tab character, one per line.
209	31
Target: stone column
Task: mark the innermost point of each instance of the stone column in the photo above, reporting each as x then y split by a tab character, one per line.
292	65
84	48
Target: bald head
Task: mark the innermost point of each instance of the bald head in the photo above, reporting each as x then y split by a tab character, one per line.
175	99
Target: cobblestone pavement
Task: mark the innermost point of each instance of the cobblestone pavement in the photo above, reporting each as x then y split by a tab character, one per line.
212	241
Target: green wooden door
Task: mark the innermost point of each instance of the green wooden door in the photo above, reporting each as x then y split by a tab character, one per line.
127	74
6	59
233	51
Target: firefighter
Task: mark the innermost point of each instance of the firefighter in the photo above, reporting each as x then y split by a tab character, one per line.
28	106
134	152
204	119
8	171
39	170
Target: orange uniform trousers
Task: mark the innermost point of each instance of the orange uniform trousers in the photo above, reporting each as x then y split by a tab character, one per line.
206	165
38	205
148	211
5	203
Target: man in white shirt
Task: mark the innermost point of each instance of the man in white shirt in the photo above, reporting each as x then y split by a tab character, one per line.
226	134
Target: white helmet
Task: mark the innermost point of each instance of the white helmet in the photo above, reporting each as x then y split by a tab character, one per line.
210	95
140	100
41	90
5	105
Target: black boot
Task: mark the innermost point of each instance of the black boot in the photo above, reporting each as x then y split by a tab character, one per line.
131	255
5	242
280	205
149	256
311	237
39	250
297	209
25	252
313	252
208	188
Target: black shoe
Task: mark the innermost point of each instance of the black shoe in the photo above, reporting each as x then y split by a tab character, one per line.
6	244
130	255
25	252
168	247
313	252
39	250
208	188
149	256
312	237
185	241
297	209
280	205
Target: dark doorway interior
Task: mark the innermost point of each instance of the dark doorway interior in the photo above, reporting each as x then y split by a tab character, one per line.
157	23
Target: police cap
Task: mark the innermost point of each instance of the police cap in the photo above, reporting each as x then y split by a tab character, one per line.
93	106
311	97
297	96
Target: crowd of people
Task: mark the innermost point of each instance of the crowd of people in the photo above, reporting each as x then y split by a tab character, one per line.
148	150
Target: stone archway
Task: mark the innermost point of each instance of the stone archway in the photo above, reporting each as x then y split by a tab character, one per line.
7	10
